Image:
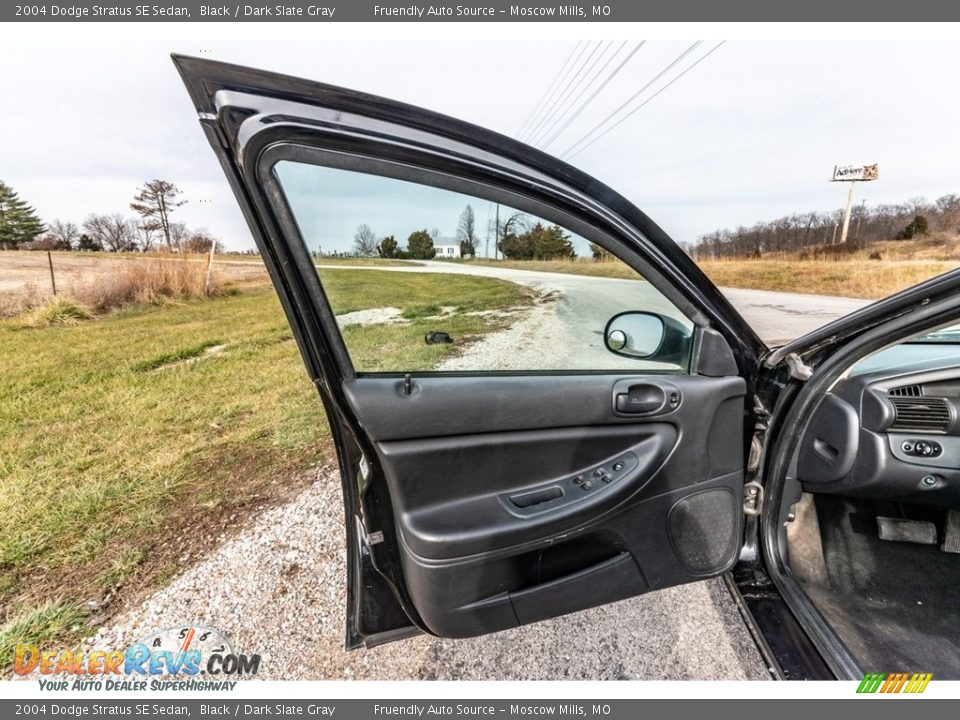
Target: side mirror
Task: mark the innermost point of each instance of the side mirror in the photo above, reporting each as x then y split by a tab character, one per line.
645	335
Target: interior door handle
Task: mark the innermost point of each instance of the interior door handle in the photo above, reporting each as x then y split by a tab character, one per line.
641	399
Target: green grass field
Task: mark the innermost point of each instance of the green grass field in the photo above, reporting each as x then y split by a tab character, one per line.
132	438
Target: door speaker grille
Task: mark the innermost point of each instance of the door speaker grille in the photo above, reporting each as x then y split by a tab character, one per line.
703	530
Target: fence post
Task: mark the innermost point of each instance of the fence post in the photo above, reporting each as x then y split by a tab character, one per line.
53	280
206	285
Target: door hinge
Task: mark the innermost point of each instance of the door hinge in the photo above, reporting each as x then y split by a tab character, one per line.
798	369
752	498
367	539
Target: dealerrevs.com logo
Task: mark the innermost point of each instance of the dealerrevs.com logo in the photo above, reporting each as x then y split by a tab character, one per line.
188	657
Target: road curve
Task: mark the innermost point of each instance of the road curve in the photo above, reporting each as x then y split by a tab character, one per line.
590	301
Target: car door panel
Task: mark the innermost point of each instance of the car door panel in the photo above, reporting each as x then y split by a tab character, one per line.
495	528
462	597
462	515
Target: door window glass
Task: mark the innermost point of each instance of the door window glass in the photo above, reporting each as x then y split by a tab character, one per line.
426	279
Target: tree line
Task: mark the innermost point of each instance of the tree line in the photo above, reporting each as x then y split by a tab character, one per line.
518	237
800	232
153	203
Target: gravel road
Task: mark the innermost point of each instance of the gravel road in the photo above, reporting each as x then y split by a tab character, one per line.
588	302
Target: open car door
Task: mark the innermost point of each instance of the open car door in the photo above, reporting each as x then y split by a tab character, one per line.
483	497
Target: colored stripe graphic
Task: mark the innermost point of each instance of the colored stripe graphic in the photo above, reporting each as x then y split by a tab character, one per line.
913	683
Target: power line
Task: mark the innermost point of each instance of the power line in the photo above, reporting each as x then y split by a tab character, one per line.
596	92
562	107
637	94
545	116
580	48
688	69
539	104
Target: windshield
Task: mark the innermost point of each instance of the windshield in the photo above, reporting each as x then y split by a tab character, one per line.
949	335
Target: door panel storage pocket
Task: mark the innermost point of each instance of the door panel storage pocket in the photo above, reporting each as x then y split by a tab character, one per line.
614	579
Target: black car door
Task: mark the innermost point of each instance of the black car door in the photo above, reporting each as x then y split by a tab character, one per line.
481	496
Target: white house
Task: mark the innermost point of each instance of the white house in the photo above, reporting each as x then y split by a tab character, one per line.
447	251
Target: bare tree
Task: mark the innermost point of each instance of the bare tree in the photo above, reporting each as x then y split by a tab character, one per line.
114	232
467	232
179	234
65	233
202	241
365	241
154	202
145	237
816	231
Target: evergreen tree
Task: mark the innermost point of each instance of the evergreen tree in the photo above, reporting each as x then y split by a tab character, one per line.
420	245
388	247
540	242
19	223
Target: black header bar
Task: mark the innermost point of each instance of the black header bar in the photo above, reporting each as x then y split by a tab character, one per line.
482	11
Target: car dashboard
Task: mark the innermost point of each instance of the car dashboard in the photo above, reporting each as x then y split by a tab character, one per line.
890	429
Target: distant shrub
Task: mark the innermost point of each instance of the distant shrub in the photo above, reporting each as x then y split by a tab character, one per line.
915	228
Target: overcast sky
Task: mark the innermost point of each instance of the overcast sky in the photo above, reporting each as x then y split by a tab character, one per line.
752	133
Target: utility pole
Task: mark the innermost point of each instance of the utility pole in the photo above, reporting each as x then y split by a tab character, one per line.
496	232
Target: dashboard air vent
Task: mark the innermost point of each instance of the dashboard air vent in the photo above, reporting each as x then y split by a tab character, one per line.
906	391
923	414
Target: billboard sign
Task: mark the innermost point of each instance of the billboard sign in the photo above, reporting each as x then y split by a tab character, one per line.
855	172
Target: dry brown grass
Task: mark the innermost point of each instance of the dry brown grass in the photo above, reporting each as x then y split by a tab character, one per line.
870	279
112	286
20	301
149	281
